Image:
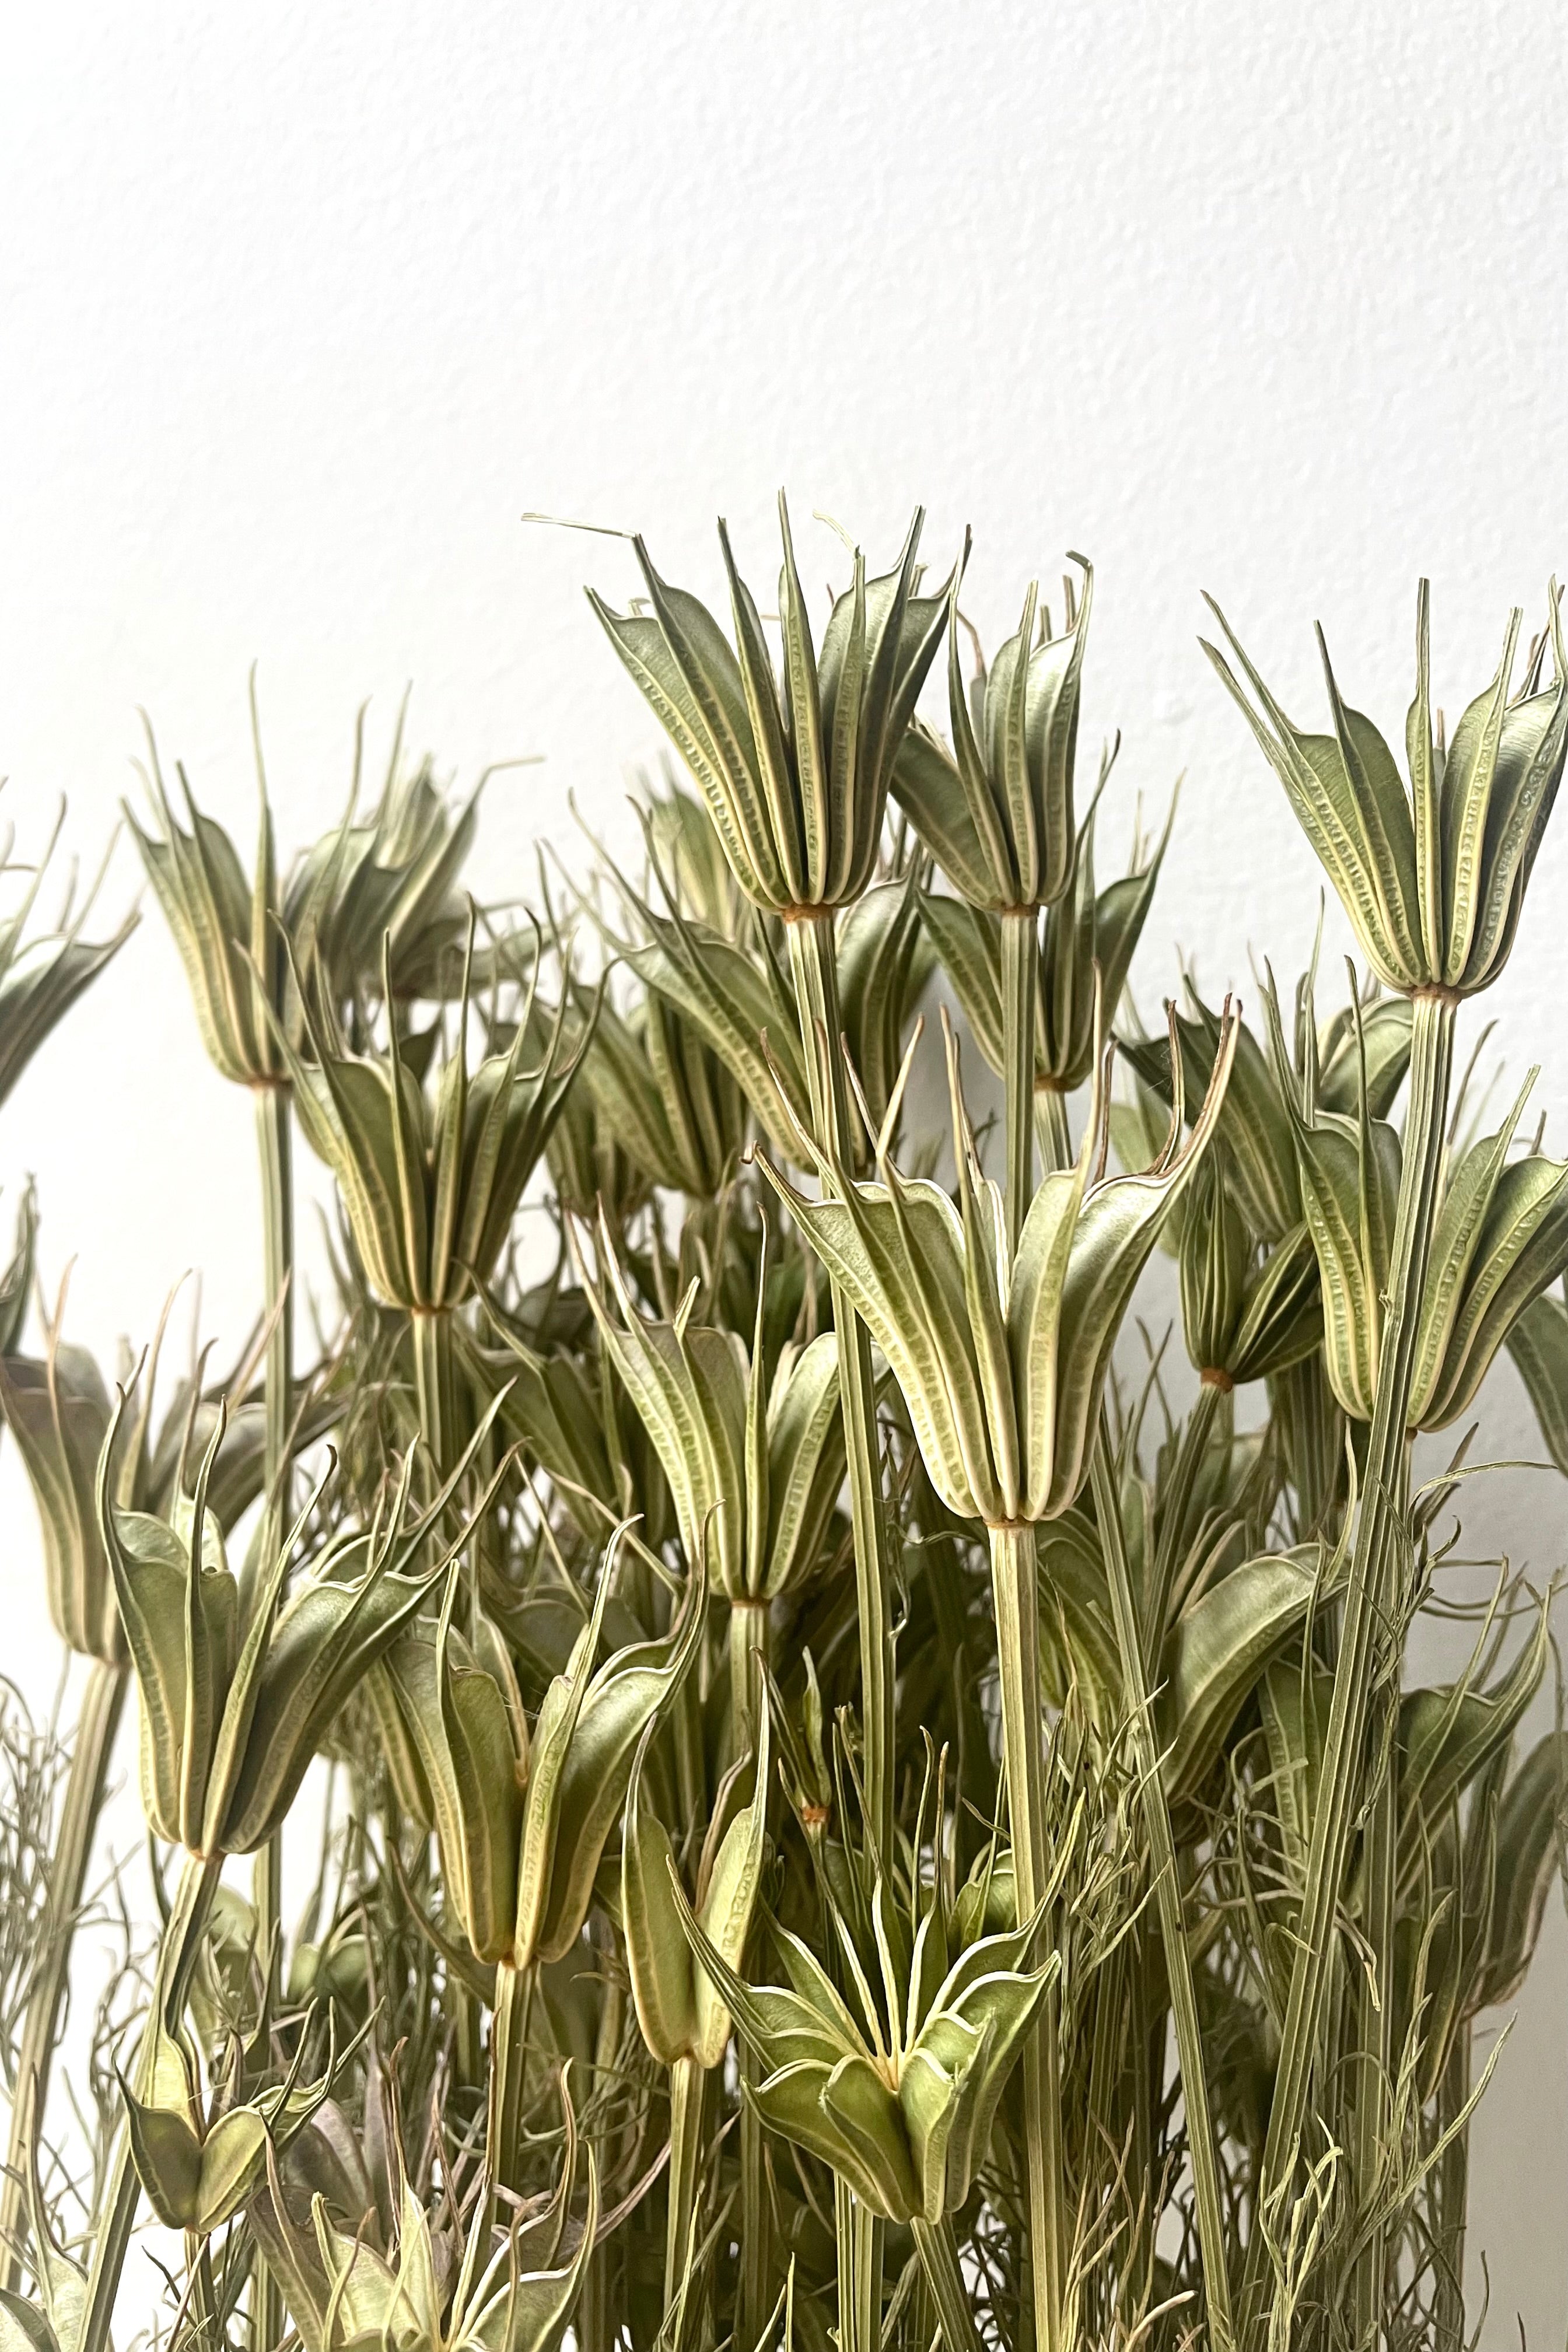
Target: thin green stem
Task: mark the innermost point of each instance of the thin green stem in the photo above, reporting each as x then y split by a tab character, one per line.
813	963
508	2081
96	1725
1020	993
1453	2191
431	1331
748	1661
688	2081
1203	2149
275	1140
748	1658
115	2216
937	2250
1368	1593
1014	1584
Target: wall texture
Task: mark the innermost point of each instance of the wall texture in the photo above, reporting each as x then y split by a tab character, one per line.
303	306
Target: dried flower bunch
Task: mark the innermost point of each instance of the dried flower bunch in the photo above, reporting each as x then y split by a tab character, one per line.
842	1807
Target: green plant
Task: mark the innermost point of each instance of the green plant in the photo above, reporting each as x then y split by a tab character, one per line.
849	1807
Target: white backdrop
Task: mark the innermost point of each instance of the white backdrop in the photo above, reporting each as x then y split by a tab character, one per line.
304	305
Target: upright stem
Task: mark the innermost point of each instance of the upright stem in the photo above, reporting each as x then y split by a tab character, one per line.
814	964
688	2080
508	2071
939	2261
1367	1594
1020	991
432	1336
1015	1583
1453	2186
178	1951
96	1725
274	1138
748	1657
1203	2150
1015	1577
1374	2019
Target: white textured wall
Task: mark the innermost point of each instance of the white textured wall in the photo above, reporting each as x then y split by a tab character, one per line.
304	305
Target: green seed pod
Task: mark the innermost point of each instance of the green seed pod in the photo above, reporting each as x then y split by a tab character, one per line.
1432	875
374	900
239	1687
199	2167
680	2012
885	958
899	2100
1086	952
523	1819
58	1410
1244	1320
1214	1266
1498	1239
430	1188
41	978
733	994
1001	1364
343	2295
996	810
793	772
753	1479
664	1096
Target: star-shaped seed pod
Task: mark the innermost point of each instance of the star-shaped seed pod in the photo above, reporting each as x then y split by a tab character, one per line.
995	809
754	1469
524	1816
680	2011
239	1684
794	768
900	2098
1499	1237
1433	872
1001	1361
41	978
430	1184
372	899
345	2295
1090	939
57	1408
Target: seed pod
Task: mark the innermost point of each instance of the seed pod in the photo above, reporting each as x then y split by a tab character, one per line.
372	899
237	1690
41	978
1500	1238
901	2101
1001	1364
430	1188
199	2167
753	1483
516	2296
58	1410
1086	952
1433	873
680	2012
995	810
793	771
523	1819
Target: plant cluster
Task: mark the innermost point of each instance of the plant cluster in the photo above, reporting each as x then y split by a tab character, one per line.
853	1810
